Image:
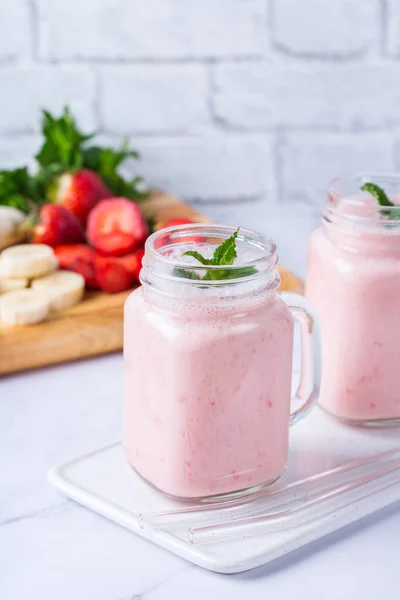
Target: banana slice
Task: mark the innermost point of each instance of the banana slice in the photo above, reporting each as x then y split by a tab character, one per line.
63	288
8	285
10	221
24	307
27	260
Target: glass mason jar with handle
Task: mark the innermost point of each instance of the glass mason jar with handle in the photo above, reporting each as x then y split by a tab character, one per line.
353	280
208	365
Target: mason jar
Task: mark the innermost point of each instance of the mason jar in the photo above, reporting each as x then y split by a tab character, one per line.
353	279
208	365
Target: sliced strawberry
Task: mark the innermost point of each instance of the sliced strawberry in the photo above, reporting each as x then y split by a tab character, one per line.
79	192
111	275
116	227
57	225
78	258
133	263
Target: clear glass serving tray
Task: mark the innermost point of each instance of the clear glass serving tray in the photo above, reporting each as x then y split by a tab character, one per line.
336	475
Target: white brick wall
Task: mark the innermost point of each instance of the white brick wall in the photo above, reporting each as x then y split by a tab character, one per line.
247	106
339	28
154	98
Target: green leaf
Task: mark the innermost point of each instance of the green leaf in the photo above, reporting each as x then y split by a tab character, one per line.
185	273
225	254
63	142
378	193
240	272
381	197
20	189
198	256
106	162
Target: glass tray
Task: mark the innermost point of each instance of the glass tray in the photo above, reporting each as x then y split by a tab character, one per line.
336	474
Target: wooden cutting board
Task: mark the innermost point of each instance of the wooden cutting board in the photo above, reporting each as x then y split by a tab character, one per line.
94	326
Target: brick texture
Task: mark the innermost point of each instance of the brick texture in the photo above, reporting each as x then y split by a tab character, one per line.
208	168
392	39
18	150
341	96
135	29
26	90
341	28
309	161
151	98
248	107
15	29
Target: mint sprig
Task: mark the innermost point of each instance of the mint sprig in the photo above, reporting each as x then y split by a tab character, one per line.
20	190
66	148
224	255
382	199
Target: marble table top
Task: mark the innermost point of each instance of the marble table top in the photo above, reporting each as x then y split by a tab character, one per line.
51	547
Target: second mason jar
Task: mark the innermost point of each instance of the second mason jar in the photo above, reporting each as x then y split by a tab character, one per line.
353	279
208	365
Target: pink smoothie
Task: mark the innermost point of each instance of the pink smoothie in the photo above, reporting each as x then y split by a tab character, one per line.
353	279
207	392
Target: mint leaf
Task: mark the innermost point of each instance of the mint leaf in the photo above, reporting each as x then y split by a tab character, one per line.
63	142
224	254
198	256
106	162
378	193
20	190
65	148
381	197
185	273
240	272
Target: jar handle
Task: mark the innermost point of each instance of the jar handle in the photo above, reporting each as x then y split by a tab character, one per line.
306	395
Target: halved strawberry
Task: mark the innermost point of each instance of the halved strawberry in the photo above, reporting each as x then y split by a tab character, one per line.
56	225
78	258
79	192
116	227
133	263
111	275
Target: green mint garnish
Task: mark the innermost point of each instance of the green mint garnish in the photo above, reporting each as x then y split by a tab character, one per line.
382	199
185	273
378	193
225	254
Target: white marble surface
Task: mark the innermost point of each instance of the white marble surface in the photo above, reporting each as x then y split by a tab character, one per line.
52	548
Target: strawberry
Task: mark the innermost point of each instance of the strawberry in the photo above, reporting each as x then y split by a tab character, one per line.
78	258
133	263
111	275
56	226
116	227
79	192
76	175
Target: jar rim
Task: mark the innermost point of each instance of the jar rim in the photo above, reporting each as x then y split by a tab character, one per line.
266	262
344	192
